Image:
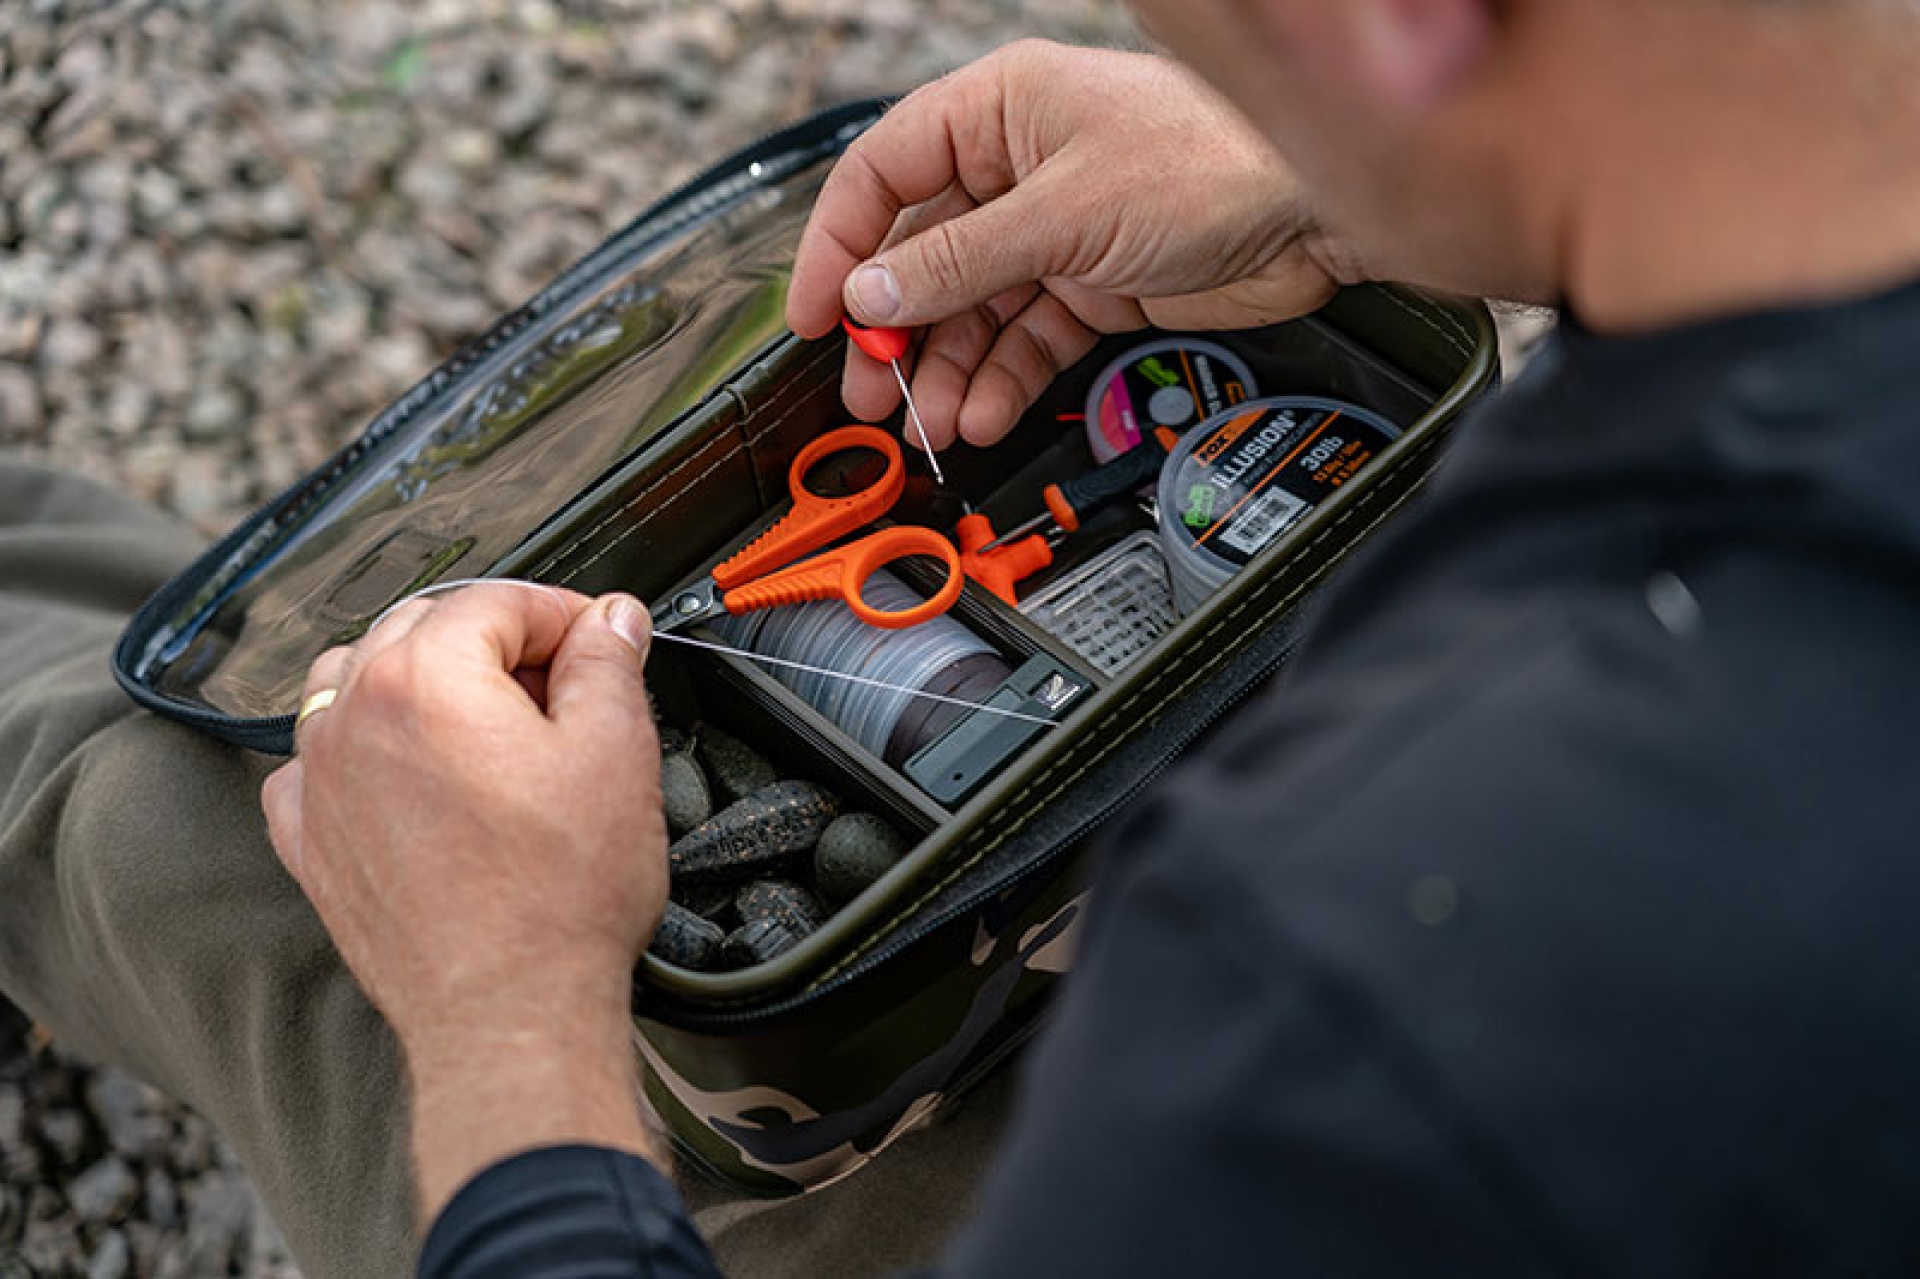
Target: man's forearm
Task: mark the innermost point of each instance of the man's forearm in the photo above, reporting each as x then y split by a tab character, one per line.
505	1083
532	1154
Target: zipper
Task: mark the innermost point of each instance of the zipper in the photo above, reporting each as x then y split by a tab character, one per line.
157	634
1040	862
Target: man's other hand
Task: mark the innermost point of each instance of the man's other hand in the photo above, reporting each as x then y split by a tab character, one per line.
1041	197
477	819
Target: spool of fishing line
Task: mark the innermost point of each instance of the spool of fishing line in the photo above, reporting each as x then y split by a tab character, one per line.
1173	383
940	657
1246	476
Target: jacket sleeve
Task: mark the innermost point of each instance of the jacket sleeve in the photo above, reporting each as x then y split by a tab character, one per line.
578	1211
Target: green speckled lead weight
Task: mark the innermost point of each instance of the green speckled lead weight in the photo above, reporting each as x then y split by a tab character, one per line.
711	901
755	836
780	899
854	852
759	941
736	768
684	793
687	940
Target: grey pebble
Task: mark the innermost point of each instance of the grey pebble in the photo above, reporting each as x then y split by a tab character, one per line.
50	1245
129	1113
162	1200
193	1146
737	769
854	852
13	1121
65	1133
684	792
21	413
112	1258
218	1224
104	1192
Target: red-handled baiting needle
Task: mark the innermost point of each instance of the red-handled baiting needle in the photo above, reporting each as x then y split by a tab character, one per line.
888	346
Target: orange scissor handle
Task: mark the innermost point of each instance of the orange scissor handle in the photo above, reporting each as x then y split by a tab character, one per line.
842	574
815	521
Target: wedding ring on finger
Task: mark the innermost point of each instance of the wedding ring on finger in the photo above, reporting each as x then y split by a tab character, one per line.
315	703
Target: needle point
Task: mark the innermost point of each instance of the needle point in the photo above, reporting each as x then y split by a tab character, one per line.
913	412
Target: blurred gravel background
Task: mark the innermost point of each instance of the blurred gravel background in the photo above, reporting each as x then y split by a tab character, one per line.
229	233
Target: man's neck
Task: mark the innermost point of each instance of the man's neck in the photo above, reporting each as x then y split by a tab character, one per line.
1792	177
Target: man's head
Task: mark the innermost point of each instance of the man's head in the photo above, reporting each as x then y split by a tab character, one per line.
1548	148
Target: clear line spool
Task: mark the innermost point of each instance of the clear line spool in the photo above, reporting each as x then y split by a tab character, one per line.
941	657
1174	383
1236	484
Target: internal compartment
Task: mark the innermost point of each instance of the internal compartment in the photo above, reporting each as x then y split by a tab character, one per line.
776	817
901	700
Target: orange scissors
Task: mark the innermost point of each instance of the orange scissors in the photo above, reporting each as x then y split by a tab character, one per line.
757	576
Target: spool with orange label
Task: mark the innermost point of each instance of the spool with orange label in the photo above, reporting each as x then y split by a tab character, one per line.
1236	484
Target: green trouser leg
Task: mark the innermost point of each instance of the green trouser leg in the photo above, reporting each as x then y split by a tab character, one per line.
145	920
143	917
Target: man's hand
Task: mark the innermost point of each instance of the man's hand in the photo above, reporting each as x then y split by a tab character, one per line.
477	819
1037	199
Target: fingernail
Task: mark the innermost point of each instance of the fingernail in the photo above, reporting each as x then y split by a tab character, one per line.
876	294
631	623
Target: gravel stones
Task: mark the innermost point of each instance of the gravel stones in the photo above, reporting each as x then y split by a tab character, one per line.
95	1168
104	1192
445	161
113	1259
63	1135
219	1224
16	1156
131	1114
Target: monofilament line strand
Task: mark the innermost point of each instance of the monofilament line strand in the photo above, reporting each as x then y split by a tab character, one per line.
856	679
913	411
673	638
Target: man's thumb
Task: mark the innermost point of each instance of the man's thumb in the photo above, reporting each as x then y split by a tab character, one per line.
598	671
964	262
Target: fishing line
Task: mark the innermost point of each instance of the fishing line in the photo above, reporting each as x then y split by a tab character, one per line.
857	679
440	588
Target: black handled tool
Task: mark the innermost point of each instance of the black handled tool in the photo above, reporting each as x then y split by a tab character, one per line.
1070	503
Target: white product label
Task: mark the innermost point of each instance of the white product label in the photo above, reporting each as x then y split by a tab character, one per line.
1262	520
